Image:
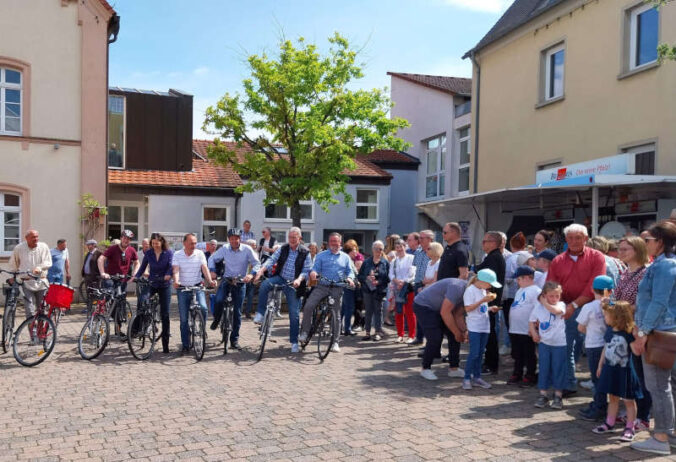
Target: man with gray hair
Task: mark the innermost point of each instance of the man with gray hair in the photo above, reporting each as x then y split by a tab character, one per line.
575	269
33	257
503	245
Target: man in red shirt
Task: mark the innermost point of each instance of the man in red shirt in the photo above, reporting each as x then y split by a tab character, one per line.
117	259
575	270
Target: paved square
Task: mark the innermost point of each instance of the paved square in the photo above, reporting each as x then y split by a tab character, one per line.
365	403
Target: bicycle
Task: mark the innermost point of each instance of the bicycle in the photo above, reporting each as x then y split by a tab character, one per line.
83	292
11	292
96	330
121	309
273	304
196	322
143	328
227	317
323	324
35	338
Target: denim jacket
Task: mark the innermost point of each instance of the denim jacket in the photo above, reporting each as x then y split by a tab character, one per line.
382	269
656	299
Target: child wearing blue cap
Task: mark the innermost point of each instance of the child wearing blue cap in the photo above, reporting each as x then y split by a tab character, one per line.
523	348
592	323
476	301
548	329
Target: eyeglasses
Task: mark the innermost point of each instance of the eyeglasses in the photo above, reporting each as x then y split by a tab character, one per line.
649	238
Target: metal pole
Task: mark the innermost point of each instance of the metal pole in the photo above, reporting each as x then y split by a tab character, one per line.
595	211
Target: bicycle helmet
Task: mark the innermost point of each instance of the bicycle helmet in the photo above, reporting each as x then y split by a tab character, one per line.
127	233
234	232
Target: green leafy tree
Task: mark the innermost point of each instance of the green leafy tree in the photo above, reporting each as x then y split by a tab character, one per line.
303	125
664	50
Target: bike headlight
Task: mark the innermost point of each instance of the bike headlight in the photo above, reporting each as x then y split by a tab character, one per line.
331	301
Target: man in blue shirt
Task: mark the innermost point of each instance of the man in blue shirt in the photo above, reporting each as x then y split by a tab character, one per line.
60	264
332	264
237	258
293	265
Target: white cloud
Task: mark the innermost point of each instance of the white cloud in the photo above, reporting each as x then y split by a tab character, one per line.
201	70
486	6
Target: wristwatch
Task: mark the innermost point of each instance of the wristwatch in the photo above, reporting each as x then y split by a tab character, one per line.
642	333
575	305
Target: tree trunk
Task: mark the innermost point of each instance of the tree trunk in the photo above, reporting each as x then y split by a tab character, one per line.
295	214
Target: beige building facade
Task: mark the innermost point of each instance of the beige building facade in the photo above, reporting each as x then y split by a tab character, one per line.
53	98
572	119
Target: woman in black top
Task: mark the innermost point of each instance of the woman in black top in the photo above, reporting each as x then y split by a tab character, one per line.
374	278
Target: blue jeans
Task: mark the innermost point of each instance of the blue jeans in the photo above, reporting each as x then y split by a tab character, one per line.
552	367
347	309
238	292
572	338
593	357
250	289
55	278
477	346
184	299
291	300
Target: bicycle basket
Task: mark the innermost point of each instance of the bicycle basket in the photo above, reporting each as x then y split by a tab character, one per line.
59	296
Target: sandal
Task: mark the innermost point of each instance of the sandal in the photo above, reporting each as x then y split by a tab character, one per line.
628	435
603	428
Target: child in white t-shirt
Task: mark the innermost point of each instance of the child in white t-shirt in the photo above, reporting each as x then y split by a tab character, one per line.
476	302
523	348
548	329
592	323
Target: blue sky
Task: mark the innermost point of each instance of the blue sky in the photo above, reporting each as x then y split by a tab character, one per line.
200	46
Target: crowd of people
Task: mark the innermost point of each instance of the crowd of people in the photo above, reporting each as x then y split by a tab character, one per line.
614	301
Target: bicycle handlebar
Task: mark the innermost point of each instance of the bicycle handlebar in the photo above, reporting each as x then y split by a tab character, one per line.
340	283
14	274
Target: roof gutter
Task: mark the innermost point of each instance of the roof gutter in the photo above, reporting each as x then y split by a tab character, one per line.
477	98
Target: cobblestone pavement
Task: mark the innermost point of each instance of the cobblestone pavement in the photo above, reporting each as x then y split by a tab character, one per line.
365	403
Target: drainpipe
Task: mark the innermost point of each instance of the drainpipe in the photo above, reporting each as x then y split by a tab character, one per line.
477	97
237	198
113	31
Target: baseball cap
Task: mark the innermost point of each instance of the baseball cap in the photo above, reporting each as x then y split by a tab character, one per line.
522	258
603	283
523	270
91	242
487	275
547	254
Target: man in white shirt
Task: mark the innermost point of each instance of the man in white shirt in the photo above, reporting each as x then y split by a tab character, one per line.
189	265
34	257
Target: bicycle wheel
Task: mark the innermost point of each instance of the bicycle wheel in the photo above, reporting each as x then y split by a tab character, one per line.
313	328
8	326
266	328
34	340
83	292
199	339
56	316
142	335
326	334
228	319
93	337
122	315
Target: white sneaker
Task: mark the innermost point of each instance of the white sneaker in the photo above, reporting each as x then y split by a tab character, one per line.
400	339
302	337
428	374
481	383
258	318
505	350
294	348
587	384
410	340
456	374
466	384
335	348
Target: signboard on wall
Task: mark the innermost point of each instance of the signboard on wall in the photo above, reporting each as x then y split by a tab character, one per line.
174	240
621	164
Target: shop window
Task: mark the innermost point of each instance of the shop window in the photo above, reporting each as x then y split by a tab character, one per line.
10	221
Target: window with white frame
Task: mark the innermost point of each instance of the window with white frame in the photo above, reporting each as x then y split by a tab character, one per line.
10	101
367	205
116	131
10	221
553	72
274	212
435	159
281	236
215	223
644	158
463	159
644	35
121	217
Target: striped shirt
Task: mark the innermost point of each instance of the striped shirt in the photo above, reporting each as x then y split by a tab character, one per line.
420	261
189	267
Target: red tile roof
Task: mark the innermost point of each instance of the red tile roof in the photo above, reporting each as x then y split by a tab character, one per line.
453	85
206	174
106	5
